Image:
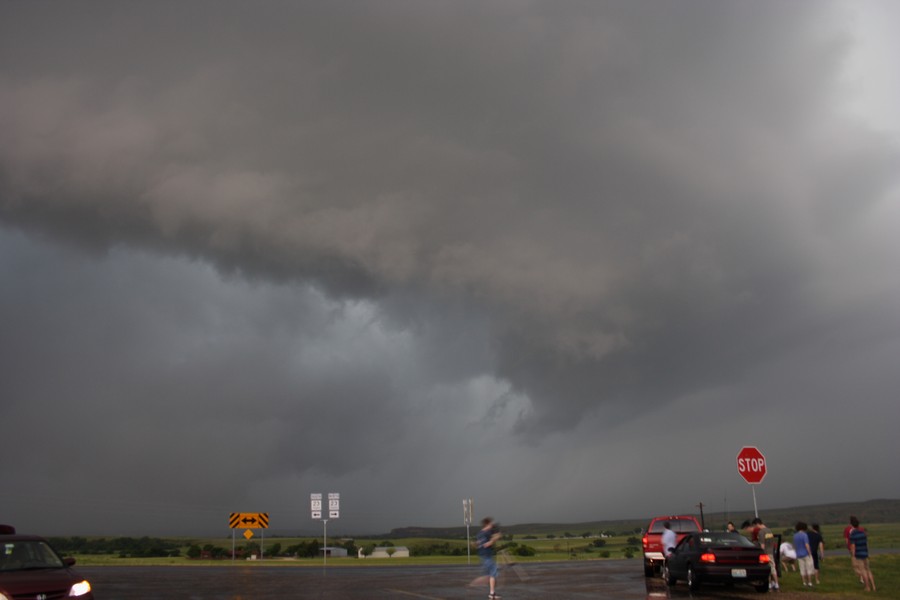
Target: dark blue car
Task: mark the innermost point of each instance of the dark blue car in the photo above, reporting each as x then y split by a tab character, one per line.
718	557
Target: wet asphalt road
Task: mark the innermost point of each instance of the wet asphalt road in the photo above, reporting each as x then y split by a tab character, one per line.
601	580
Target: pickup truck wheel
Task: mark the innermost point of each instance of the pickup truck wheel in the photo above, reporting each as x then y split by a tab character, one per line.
692	580
648	568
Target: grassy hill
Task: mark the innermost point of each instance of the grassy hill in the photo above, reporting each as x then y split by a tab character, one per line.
870	511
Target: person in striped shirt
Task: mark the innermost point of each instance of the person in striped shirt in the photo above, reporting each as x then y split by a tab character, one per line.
859	550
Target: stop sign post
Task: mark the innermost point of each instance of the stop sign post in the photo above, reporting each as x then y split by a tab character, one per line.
751	466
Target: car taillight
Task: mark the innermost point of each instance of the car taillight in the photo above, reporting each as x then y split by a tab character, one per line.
708	557
646	542
764	559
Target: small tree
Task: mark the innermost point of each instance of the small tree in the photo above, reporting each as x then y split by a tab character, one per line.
524	551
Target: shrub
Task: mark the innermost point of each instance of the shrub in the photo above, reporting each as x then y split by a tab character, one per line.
524	551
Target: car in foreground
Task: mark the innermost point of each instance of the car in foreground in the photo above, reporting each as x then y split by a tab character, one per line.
30	568
652	539
717	557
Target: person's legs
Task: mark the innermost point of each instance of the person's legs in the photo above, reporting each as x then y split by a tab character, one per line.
866	573
491	568
805	565
857	568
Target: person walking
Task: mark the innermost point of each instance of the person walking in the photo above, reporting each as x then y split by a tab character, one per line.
817	545
669	540
804	553
847	531
485	542
766	540
859	550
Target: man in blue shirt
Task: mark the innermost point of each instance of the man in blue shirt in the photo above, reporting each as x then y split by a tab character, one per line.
485	540
804	554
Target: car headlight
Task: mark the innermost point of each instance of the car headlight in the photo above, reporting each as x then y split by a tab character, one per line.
80	589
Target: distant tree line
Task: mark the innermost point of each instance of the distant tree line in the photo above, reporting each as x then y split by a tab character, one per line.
122	546
437	549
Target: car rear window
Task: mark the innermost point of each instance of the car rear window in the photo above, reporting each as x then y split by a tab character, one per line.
678	526
725	539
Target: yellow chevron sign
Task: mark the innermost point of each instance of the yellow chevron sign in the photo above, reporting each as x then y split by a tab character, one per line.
249	521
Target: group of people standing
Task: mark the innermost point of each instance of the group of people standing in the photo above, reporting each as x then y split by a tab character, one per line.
808	550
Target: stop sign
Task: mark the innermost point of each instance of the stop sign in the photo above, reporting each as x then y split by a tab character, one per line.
751	464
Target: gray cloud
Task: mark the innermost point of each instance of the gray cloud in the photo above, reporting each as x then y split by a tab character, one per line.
430	247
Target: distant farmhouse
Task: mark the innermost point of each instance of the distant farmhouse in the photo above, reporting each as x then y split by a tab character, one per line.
389	552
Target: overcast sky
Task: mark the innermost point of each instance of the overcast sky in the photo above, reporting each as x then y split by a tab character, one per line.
564	258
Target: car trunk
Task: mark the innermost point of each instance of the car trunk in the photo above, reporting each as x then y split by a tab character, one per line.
728	556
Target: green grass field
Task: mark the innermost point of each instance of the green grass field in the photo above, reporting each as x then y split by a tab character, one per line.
881	536
838	579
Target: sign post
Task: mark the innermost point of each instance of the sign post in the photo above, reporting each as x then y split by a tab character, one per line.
467	519
751	466
334	512
249	521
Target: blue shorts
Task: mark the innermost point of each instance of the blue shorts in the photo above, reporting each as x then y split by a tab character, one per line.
489	566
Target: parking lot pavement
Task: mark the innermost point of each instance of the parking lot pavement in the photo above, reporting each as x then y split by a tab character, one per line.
610	580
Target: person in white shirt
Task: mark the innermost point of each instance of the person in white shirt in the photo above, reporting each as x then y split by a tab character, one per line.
669	539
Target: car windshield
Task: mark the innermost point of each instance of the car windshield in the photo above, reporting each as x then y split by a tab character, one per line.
24	555
678	526
725	539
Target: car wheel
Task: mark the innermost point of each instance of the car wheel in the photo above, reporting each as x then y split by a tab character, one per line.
667	575
692	580
763	587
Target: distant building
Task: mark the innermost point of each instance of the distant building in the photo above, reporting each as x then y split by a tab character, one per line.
390	552
335	551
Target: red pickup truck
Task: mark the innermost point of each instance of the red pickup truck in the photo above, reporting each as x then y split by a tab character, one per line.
652	540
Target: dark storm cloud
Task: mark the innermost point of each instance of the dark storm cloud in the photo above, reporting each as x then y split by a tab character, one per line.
536	215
